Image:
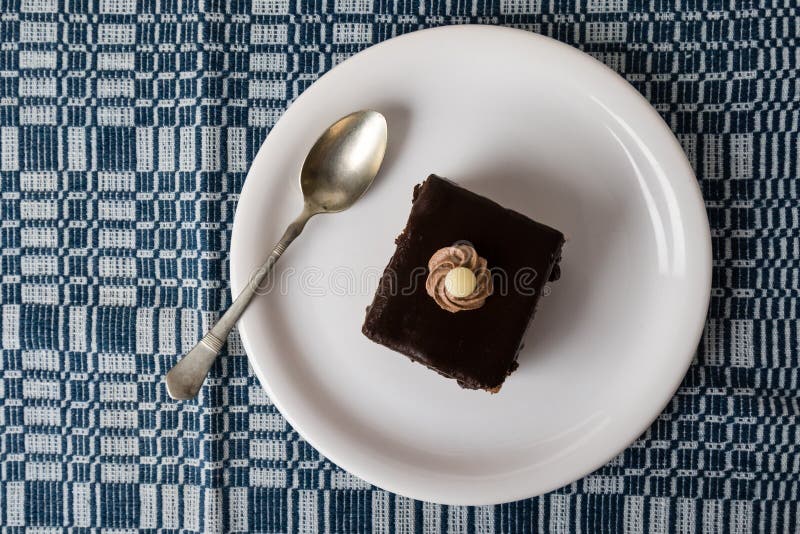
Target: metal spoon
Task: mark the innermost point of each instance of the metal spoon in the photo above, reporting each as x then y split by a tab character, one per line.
337	171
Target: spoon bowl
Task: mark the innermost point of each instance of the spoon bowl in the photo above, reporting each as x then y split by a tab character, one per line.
344	161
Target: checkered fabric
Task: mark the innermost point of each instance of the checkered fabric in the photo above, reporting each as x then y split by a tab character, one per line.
126	130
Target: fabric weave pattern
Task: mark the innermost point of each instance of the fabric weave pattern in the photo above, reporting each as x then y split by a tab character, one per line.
126	130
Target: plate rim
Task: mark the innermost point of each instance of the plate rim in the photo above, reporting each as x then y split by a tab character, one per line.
704	279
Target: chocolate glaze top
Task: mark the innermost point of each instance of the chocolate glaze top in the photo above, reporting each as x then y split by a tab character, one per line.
477	347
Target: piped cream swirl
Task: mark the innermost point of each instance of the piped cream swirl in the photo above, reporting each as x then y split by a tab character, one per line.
448	258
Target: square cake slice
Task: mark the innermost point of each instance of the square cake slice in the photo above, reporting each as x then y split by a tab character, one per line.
472	340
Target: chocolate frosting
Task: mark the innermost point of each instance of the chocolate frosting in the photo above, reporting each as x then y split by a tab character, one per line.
478	348
448	258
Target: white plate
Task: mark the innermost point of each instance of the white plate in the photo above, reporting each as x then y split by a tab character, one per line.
540	128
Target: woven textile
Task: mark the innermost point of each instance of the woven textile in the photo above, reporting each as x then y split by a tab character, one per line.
126	130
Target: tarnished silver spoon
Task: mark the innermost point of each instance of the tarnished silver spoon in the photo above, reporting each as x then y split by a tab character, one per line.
339	168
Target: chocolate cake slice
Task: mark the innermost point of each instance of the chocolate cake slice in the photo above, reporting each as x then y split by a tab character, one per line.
422	307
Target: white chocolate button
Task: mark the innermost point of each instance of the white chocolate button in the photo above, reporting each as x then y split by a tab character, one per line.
460	282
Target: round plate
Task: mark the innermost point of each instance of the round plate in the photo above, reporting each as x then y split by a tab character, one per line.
545	130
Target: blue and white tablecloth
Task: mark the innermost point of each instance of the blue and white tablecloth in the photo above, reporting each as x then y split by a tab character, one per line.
126	130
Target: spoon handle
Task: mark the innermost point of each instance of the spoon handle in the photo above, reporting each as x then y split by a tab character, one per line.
186	376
